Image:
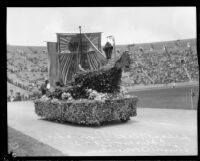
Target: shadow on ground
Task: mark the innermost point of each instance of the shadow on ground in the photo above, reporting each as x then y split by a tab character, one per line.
104	124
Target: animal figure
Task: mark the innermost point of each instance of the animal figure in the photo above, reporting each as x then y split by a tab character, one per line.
105	80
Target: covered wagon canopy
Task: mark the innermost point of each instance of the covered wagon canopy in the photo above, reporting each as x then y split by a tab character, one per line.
71	50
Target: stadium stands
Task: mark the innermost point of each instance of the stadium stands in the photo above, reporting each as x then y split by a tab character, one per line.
163	68
27	67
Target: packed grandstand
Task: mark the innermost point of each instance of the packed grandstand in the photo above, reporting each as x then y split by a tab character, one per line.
152	64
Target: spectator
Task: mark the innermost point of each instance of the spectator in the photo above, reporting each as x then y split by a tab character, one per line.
174	84
11	92
22	96
44	88
48	85
8	98
108	50
18	97
12	98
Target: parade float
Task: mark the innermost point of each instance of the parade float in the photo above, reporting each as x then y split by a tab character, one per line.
91	93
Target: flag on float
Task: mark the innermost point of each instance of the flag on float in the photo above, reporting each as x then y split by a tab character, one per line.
111	39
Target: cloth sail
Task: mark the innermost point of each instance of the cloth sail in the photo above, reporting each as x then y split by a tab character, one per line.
75	49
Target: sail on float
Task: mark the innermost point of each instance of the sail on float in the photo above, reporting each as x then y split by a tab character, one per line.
72	50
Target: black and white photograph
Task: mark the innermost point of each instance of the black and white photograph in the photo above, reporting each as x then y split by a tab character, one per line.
102	81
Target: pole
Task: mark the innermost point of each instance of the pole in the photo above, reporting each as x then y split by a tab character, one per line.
192	99
80	47
114	47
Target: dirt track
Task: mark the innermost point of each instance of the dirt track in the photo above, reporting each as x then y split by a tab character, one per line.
152	132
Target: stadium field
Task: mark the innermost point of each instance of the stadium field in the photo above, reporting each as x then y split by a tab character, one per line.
169	98
152	132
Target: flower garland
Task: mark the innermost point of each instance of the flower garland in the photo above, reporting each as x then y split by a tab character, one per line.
64	94
94	95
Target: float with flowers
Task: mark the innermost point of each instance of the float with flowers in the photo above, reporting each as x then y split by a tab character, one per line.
92	96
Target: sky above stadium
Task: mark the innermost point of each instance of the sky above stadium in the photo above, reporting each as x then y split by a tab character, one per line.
33	26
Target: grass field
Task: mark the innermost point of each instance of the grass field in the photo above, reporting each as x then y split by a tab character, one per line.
169	98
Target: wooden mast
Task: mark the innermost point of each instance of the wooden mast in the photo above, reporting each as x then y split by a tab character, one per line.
80	47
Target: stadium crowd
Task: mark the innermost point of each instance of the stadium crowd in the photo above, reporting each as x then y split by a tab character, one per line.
16	97
164	67
45	87
18	84
148	67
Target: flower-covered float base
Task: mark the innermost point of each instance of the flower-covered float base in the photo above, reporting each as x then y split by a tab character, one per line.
85	111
